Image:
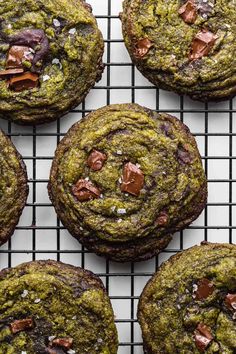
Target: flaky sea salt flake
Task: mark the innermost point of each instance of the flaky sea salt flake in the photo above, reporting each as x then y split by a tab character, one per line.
56	22
36	301
121	211
72	31
25	293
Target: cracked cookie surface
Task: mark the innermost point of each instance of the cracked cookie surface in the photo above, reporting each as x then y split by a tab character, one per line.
189	306
49	307
125	178
13	187
50	57
184	46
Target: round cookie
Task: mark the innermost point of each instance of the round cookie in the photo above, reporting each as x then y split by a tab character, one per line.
55	308
184	46
50	57
124	179
13	187
189	305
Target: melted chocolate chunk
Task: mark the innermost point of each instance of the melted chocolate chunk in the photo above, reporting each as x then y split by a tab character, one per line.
162	219
188	11
183	155
10	72
96	160
142	47
230	301
203	337
204	289
32	38
65	343
202	44
167	130
17	55
21	325
84	190
133	179
23	82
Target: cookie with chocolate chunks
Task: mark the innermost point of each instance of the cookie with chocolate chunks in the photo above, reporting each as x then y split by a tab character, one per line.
13	187
185	46
55	308
124	179
50	57
174	320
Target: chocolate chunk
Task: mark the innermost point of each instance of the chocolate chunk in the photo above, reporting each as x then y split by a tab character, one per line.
203	337
188	11
84	190
204	289
65	343
96	160
18	54
10	72
23	82
21	325
142	47
167	130
230	301
183	155
202	44
32	38
162	219
133	179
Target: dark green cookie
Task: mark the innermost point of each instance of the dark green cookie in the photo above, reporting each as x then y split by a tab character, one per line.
50	57
49	307
124	179
13	187
189	306
186	46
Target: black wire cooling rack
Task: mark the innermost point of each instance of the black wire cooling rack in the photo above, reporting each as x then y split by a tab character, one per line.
40	235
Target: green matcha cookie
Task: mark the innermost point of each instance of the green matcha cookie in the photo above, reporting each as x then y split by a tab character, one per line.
50	57
189	305
13	187
124	179
49	307
186	46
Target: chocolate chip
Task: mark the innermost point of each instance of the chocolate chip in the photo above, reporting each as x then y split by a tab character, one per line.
230	301
142	47
65	343
18	54
133	179
10	72
204	289
162	219
188	11
203	337
21	325
202	44
183	155
23	82
84	190
96	160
